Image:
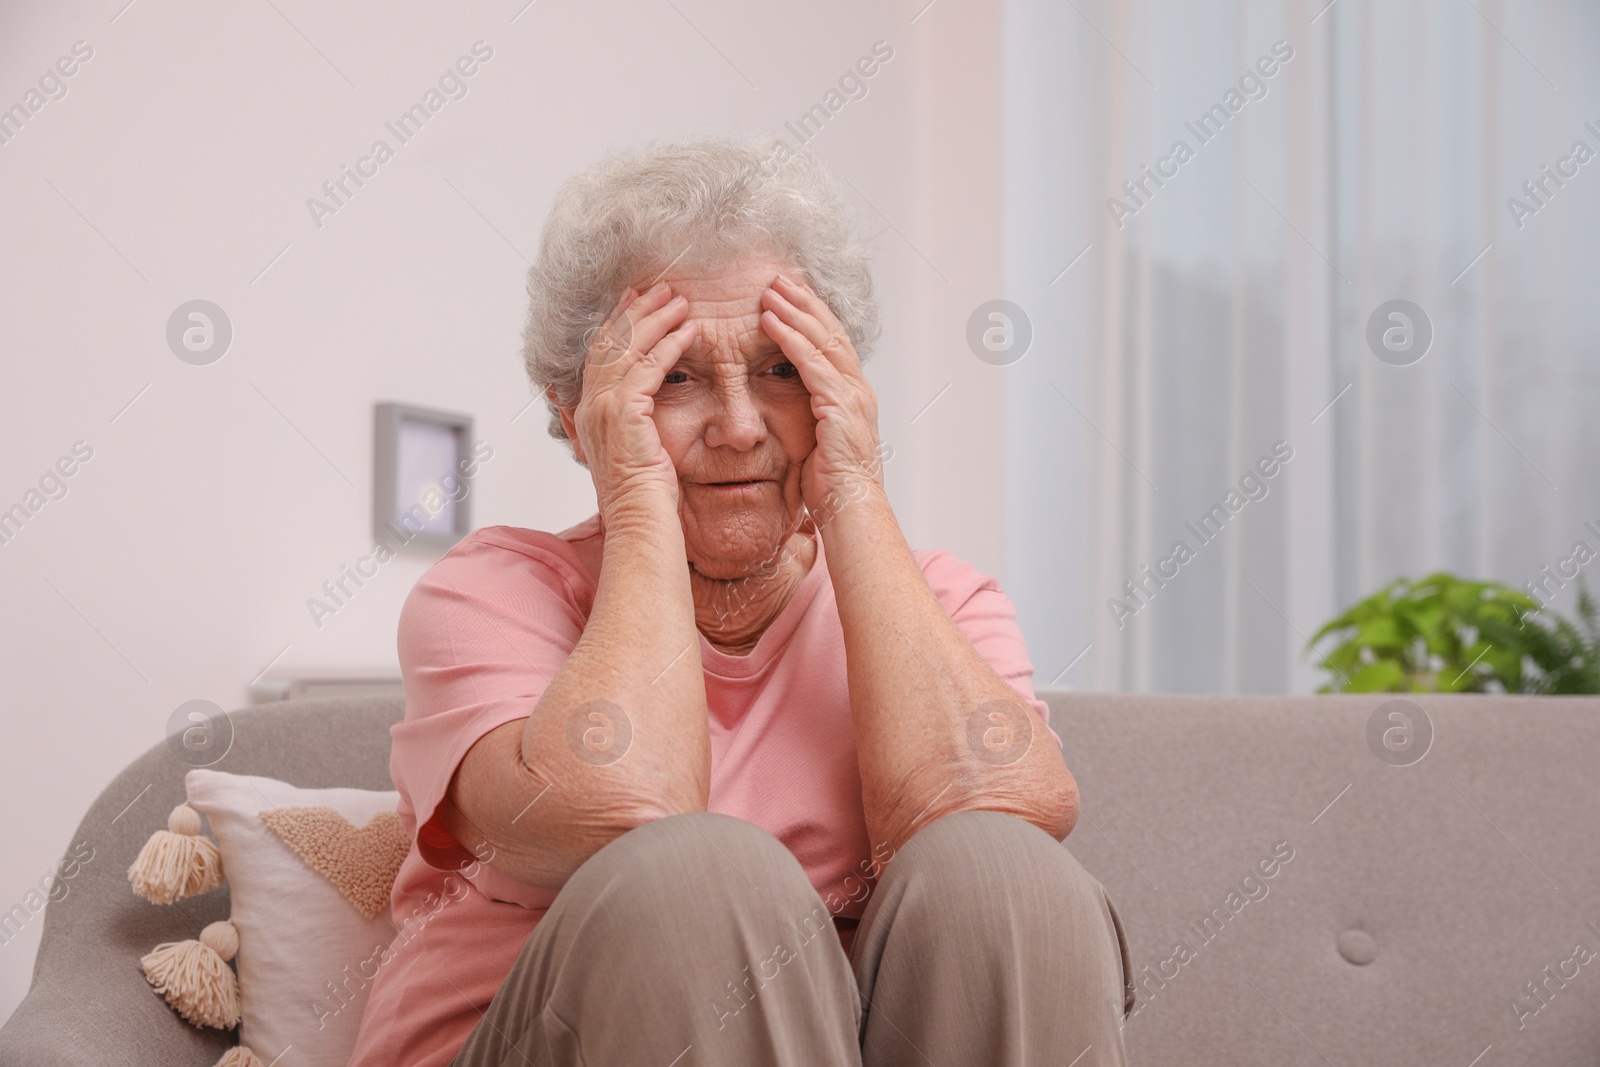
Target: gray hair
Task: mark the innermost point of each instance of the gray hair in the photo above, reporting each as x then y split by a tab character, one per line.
704	202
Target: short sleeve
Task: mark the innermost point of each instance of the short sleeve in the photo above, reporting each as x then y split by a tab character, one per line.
480	636
985	615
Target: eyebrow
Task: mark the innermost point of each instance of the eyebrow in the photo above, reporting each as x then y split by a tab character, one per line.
764	348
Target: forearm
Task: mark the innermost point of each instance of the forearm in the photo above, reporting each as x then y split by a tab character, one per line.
645	751
619	736
924	702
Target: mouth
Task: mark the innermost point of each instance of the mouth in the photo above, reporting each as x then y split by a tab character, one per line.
740	485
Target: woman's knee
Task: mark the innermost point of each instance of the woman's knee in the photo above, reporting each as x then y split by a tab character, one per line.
689	919
1010	888
969	858
699	909
689	865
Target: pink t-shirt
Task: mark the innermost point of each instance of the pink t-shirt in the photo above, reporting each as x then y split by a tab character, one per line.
481	635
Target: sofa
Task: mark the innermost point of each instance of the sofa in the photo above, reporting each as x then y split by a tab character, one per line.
1293	891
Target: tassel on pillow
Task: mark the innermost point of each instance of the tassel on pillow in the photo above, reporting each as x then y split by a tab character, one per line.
239	1056
177	862
194	976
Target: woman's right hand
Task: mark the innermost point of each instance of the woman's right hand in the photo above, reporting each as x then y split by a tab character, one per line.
630	354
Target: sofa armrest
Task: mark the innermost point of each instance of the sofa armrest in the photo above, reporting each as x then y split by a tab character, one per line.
54	1028
89	1003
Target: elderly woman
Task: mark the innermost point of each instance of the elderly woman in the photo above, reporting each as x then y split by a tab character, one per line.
727	773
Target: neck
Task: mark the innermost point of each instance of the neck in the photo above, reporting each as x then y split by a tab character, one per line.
733	613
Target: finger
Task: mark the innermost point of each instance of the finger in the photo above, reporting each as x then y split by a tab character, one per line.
806	312
806	299
607	336
650	329
803	296
620	341
629	295
647	372
816	372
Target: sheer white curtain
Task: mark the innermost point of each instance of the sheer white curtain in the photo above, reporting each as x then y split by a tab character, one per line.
1339	157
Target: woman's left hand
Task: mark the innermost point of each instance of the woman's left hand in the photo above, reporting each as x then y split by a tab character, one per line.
846	458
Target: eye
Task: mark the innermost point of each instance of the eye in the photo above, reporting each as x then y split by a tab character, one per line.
785	370
675	377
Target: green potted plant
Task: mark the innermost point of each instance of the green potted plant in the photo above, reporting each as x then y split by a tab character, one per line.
1443	634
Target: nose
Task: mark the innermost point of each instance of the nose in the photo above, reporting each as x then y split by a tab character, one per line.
737	421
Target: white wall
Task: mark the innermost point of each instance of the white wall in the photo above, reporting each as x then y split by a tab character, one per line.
178	166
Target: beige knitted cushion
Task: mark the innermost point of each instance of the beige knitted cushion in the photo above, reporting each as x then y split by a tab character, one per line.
362	863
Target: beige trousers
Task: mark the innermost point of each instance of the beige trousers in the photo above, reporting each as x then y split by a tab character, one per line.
698	940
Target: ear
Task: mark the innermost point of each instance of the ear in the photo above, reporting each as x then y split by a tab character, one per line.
569	425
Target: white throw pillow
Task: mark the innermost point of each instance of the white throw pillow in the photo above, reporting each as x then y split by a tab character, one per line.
309	872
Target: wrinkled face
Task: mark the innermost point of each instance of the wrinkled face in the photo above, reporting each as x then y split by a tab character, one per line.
736	420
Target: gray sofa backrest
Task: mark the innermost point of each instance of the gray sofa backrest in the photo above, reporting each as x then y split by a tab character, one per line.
1457	879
